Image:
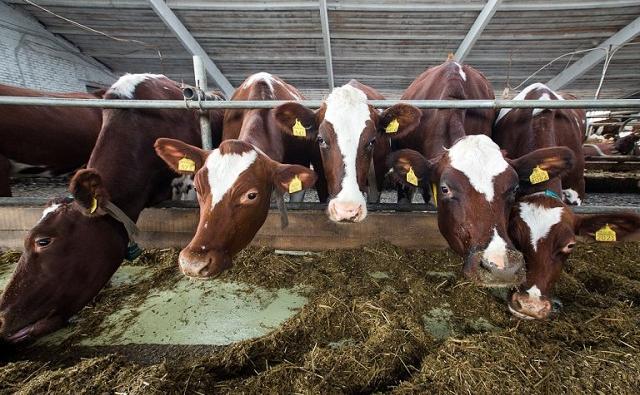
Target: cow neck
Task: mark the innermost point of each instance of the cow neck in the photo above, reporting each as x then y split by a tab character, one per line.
448	127
257	130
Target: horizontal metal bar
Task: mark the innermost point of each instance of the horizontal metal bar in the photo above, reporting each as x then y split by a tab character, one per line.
181	104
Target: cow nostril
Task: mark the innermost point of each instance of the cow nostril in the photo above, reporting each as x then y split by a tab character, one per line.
517	304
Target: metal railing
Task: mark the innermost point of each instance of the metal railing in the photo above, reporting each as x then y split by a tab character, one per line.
207	105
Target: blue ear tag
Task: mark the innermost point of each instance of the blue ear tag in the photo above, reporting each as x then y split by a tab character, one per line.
133	251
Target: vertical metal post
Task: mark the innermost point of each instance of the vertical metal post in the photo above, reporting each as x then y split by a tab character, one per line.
201	83
326	38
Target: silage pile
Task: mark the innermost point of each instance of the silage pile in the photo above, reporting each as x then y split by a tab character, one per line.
380	319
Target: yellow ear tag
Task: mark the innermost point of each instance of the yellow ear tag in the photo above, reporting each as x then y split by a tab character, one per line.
606	234
393	126
299	130
538	175
295	185
411	177
94	206
434	191
186	164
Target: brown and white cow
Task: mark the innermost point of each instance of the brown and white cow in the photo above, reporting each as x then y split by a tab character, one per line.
541	225
453	159
74	249
350	136
60	139
522	130
234	182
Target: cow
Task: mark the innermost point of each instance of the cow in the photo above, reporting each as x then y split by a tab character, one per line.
351	138
234	183
450	157
80	241
60	139
626	144
541	224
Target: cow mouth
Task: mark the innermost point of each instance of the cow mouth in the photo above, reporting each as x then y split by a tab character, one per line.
33	330
21	335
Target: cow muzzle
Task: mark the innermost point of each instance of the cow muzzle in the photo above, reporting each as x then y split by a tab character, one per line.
508	270
346	211
529	307
205	264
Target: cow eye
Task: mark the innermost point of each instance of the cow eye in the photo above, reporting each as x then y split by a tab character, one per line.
252	195
43	241
444	189
322	142
371	143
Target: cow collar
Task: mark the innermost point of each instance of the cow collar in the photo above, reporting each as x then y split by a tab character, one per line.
548	193
133	249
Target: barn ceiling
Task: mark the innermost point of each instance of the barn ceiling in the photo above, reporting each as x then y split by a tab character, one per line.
383	43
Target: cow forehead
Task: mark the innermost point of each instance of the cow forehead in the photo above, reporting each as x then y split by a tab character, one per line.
540	220
126	85
480	159
224	170
51	209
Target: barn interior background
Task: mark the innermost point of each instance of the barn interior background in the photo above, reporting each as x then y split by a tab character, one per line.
383	43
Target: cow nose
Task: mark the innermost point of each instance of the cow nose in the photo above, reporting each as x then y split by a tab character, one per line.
526	306
505	270
346	211
203	265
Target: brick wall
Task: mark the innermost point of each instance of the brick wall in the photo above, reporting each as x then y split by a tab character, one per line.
32	57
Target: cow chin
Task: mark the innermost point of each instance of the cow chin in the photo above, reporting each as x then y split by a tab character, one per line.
31	331
525	306
205	264
487	274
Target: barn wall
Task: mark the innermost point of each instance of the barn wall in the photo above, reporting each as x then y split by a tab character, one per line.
30	56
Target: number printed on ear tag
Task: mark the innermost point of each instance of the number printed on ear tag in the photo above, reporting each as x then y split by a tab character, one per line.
538	175
411	177
295	185
299	130
187	165
606	234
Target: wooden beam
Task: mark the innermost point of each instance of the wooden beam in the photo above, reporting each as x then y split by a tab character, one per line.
594	57
186	39
476	29
326	39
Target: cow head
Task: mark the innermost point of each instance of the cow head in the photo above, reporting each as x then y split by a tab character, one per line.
475	187
69	255
233	184
346	129
545	230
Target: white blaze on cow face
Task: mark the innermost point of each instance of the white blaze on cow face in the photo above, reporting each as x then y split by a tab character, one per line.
262	76
480	159
496	251
224	170
540	220
348	112
522	95
461	72
49	210
126	85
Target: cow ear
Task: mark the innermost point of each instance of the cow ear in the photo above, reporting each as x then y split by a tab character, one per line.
293	178
622	224
399	120
297	120
555	161
180	156
89	192
409	168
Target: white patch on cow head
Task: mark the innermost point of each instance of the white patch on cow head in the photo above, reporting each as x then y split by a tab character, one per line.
496	251
262	76
49	210
461	72
224	170
534	292
525	92
480	159
126	85
571	197
540	220
348	112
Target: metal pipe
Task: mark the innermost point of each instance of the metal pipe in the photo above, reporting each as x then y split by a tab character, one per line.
201	86
181	104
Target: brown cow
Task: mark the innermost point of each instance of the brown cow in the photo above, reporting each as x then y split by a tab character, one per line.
234	183
522	130
75	248
57	138
350	136
473	183
541	226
